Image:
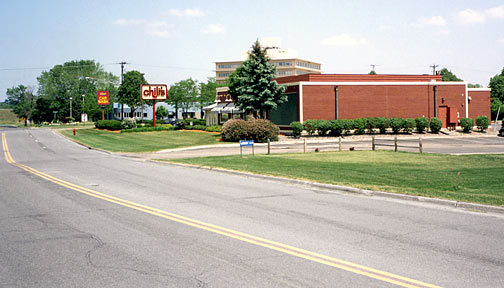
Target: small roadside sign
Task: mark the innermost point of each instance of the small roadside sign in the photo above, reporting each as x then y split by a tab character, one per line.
244	143
102	98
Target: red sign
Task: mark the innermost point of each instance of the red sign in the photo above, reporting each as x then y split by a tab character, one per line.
154	92
102	97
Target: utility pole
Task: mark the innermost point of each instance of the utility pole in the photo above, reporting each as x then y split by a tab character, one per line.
434	66
122	79
373	66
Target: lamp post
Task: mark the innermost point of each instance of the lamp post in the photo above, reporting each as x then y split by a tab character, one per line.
83	116
70	107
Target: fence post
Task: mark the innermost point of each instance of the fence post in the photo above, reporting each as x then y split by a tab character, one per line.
372	143
269	146
420	146
339	141
395	143
304	146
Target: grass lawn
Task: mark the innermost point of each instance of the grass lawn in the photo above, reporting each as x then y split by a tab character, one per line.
140	142
432	175
8	117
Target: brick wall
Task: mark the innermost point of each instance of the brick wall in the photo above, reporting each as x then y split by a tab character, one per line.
479	104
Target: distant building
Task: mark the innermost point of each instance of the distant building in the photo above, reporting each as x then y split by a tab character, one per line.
193	112
286	62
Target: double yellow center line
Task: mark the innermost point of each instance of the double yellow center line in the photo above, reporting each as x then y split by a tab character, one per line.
316	257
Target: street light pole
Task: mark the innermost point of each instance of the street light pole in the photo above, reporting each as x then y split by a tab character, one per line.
70	107
83	117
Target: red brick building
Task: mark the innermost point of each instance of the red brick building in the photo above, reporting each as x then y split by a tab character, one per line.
350	96
344	96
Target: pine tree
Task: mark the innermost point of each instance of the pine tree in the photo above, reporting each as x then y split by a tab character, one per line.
252	85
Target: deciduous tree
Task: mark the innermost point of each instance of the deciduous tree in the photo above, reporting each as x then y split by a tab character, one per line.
129	91
23	101
447	75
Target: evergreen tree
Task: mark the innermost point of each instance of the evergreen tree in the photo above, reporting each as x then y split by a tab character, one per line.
252	85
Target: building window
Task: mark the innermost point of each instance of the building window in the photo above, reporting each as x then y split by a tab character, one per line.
228	66
223	75
283	73
281	64
299	72
308	65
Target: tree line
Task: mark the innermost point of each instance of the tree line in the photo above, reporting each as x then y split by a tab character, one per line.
77	82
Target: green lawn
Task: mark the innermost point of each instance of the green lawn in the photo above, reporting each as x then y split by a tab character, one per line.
481	178
140	142
8	117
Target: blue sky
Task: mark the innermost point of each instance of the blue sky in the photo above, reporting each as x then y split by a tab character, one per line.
173	40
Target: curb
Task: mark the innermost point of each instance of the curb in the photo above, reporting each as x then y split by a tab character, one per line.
339	188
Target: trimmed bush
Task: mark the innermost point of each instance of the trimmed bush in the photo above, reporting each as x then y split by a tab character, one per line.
323	126
234	130
214	128
371	124
482	122
422	124
359	125
435	125
128	123
68	120
407	125
199	127
108	124
348	125
297	128
467	124
337	127
396	124
310	126
382	124
261	130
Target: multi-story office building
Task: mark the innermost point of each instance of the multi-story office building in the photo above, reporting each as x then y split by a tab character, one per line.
286	62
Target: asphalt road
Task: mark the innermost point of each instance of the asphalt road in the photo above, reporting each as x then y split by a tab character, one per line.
56	230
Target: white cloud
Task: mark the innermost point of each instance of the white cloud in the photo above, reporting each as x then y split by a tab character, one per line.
185	12
125	22
469	16
433	21
160	29
214	29
501	40
343	40
385	27
495	12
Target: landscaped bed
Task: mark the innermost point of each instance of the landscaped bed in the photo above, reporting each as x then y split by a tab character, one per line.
470	178
140	142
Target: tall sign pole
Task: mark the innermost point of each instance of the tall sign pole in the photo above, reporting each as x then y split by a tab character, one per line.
102	99
154	92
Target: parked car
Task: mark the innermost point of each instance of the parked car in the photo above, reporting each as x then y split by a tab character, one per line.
501	131
171	121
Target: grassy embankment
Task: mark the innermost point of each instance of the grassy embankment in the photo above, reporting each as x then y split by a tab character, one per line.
141	142
7	117
432	175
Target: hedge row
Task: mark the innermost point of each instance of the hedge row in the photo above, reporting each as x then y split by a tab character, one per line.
149	129
108	124
366	125
186	123
259	130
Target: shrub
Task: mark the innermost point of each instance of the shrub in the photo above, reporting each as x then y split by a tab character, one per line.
234	130
108	124
435	125
422	124
482	122
199	127
408	125
359	125
261	130
348	125
467	124
128	123
214	128
371	124
297	128
396	124
310	126
68	120
382	123
337	127
323	126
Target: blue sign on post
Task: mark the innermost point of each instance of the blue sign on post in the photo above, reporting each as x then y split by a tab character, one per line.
246	143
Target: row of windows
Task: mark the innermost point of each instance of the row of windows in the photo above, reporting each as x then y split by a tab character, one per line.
308	65
281	64
283	73
228	66
129	115
223	75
